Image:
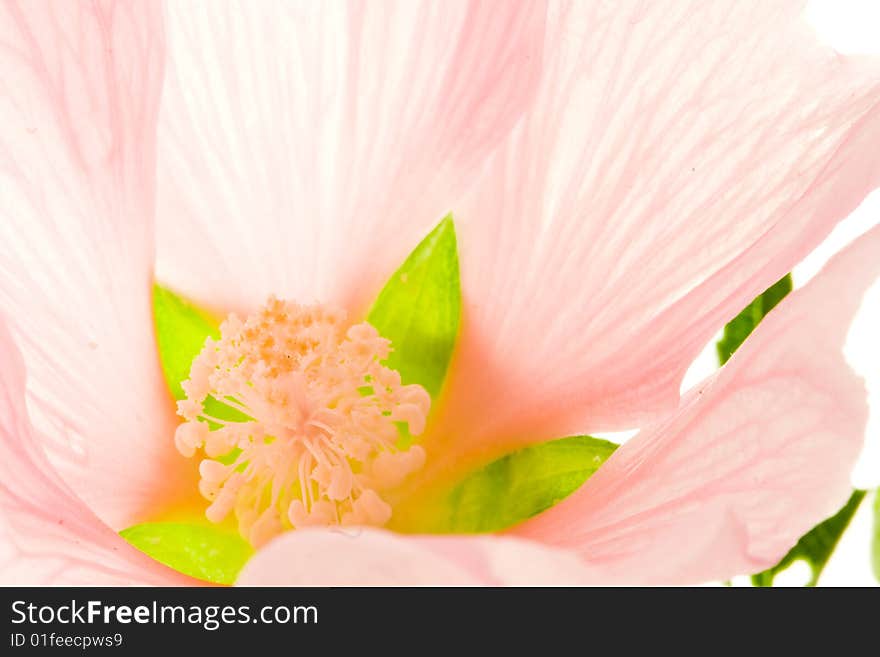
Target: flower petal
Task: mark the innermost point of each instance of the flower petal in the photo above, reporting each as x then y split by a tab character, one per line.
78	110
755	456
305	149
679	159
47	534
370	557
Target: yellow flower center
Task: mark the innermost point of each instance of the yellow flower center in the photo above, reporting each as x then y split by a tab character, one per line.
316	439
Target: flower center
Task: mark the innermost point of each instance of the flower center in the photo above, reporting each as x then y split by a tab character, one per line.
315	438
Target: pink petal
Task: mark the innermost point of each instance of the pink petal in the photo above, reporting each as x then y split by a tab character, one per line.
305	150
679	159
78	111
370	557
47	534
755	456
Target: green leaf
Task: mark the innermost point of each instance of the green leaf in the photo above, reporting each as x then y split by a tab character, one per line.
181	330
739	328
875	544
201	551
419	309
517	486
816	546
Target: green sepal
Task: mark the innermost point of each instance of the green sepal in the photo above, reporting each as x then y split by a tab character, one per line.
202	551
181	331
514	487
419	310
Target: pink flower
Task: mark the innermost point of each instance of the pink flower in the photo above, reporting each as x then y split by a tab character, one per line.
625	177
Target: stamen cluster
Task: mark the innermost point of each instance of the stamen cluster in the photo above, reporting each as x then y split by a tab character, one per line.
299	421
